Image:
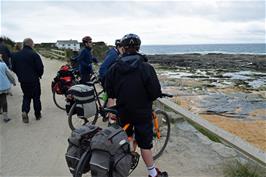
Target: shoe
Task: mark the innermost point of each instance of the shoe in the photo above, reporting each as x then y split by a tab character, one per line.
25	117
160	174
7	120
38	116
5	117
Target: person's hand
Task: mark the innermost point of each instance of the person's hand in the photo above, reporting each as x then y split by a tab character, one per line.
111	117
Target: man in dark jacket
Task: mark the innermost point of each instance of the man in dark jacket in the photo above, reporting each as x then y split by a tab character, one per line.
28	67
5	53
85	60
109	59
134	84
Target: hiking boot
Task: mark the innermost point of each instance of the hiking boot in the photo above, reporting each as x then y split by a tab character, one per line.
6	118
25	117
160	174
38	116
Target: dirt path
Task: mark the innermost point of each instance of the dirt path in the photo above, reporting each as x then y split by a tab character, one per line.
38	148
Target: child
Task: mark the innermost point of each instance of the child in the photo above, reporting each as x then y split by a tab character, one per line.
5	84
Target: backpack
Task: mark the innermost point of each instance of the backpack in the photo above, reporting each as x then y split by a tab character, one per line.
78	144
110	153
85	99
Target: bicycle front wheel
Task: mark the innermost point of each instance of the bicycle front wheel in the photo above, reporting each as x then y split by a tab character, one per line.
59	100
160	142
75	121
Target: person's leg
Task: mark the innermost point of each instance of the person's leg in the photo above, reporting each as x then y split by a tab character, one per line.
144	136
27	95
4	107
37	100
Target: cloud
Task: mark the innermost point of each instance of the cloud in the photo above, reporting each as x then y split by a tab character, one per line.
157	22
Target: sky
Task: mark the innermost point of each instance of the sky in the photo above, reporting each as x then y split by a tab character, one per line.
156	22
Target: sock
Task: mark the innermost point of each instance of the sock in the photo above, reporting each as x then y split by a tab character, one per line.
152	171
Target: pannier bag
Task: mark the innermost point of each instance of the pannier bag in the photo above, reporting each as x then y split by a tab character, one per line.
79	143
69	102
85	99
111	156
63	80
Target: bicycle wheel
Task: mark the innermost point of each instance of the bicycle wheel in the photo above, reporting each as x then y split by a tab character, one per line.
59	100
159	144
75	121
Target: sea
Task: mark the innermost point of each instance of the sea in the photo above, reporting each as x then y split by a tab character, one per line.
259	49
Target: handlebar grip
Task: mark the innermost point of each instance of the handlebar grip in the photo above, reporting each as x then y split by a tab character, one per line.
166	95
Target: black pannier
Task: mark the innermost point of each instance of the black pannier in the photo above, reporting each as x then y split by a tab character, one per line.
79	142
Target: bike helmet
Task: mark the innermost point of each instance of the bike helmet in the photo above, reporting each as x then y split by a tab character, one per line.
118	43
86	39
131	41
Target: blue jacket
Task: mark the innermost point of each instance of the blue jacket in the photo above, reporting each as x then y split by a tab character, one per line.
27	65
5	78
85	59
109	59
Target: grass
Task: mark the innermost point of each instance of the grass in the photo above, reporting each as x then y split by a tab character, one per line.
237	169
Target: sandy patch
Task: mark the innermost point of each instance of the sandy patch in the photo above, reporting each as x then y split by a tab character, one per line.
253	131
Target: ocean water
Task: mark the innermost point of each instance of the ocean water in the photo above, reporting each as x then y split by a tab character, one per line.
259	49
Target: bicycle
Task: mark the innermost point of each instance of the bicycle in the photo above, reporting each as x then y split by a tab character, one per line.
101	99
161	134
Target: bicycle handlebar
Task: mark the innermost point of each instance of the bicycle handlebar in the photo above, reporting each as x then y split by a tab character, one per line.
166	95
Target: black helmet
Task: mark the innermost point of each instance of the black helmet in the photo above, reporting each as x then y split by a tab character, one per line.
131	41
118	43
86	39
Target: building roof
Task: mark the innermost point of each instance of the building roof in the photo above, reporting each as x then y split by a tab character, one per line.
67	41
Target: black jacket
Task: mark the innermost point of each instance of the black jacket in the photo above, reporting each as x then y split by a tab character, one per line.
134	83
27	65
5	54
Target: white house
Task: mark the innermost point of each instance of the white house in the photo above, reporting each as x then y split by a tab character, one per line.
68	44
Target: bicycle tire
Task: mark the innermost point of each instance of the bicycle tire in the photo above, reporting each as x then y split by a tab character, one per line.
164	123
56	103
75	121
85	158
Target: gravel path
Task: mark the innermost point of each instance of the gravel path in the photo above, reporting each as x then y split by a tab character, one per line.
38	148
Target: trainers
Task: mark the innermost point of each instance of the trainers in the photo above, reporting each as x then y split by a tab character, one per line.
25	117
38	116
160	174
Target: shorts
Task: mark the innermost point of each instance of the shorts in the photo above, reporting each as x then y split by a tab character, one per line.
143	132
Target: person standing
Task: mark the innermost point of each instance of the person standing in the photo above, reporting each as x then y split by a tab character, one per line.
28	66
133	82
5	84
85	60
6	54
111	55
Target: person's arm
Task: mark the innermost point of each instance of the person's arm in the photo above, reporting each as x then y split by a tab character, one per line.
152	83
10	77
38	65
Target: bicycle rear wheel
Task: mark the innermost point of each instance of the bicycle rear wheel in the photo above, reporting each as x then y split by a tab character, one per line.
59	100
159	144
75	121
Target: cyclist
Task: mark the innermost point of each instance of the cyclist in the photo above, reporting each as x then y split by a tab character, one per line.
134	84
85	60
109	59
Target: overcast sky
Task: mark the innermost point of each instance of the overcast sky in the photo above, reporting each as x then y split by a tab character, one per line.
156	22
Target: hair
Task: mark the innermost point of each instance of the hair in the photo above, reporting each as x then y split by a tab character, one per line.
28	42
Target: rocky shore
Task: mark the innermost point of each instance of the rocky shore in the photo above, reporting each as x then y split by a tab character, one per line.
213	60
225	89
